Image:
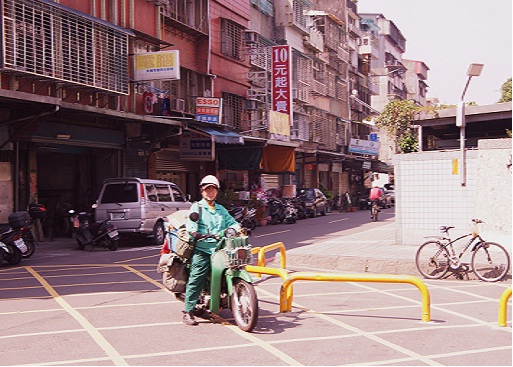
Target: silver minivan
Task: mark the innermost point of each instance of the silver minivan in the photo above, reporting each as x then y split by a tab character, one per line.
136	205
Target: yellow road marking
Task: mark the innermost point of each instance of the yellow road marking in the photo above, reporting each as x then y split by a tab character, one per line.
89	328
338	220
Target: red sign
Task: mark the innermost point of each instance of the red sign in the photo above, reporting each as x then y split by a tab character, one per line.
281	80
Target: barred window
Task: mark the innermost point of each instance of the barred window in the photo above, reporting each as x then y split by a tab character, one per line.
48	40
300	7
233	111
232	39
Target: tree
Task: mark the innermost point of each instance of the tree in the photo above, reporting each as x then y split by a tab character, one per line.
396	119
506	91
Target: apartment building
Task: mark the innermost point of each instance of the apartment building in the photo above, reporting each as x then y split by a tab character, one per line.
176	90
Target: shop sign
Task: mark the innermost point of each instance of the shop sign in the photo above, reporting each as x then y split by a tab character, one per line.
279	126
209	109
196	147
281	82
364	146
157	65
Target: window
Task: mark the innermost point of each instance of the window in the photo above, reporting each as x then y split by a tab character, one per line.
50	41
151	193
163	193
231	39
233	111
119	193
177	194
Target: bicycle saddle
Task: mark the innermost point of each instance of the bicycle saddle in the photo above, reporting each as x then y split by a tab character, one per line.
445	228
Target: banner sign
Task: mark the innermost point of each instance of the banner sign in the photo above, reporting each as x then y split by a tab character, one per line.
279	126
364	146
209	109
157	65
281	80
196	147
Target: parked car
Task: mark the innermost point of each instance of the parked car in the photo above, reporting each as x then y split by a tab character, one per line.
139	206
315	201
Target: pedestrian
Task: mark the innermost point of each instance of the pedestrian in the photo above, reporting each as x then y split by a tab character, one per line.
214	219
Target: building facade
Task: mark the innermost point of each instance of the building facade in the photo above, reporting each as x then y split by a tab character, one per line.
176	90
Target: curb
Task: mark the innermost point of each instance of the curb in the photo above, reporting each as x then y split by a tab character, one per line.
350	264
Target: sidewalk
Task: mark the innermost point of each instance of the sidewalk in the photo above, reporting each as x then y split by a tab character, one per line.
371	250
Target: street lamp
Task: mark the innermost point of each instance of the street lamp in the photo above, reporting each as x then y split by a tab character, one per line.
473	70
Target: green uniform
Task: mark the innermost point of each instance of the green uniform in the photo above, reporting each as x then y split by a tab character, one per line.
213	221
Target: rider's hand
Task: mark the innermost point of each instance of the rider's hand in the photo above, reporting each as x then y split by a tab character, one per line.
244	232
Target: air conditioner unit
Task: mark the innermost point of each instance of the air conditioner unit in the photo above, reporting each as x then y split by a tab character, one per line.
251	36
178	104
295	93
251	104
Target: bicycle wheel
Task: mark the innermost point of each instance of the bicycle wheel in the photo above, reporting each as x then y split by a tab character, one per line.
432	260
490	262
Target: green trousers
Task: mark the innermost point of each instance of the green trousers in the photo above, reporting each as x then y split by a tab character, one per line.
199	270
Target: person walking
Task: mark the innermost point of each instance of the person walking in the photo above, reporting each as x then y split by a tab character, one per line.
213	219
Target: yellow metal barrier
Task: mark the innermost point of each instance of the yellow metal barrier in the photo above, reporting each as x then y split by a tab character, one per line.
503	307
286	292
259	270
261	255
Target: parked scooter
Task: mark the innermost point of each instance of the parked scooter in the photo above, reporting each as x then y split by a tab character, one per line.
290	211
300	205
249	220
22	222
229	285
87	233
276	210
11	245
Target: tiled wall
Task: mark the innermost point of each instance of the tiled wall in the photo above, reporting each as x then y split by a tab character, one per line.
429	194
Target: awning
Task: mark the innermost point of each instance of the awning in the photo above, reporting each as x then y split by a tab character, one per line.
220	135
240	158
278	159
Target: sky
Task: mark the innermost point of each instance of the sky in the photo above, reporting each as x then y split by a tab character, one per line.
448	36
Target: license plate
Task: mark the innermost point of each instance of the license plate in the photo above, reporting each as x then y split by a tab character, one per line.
113	234
118	215
21	245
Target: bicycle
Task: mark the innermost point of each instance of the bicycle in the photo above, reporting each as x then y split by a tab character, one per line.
490	261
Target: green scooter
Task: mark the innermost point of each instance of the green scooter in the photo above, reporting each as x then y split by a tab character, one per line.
230	285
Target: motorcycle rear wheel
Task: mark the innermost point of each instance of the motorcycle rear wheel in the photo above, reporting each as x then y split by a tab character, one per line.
15	255
30	241
244	304
113	246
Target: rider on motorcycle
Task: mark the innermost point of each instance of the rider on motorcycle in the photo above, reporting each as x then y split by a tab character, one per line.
375	194
214	219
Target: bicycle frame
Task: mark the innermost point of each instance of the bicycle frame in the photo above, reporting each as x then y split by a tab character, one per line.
449	245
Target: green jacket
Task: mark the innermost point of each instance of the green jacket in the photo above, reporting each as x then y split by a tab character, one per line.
211	221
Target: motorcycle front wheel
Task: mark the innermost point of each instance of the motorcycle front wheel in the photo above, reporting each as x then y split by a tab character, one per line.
244	304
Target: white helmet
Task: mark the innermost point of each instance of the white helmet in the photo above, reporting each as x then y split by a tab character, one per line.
209	180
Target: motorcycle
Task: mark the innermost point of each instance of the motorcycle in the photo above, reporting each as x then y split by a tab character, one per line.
249	220
11	245
229	285
276	210
300	206
290	211
87	233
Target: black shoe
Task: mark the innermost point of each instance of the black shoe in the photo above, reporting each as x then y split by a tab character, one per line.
188	318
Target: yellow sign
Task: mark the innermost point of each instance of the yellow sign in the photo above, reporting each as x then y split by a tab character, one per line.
455	166
157	65
279	125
